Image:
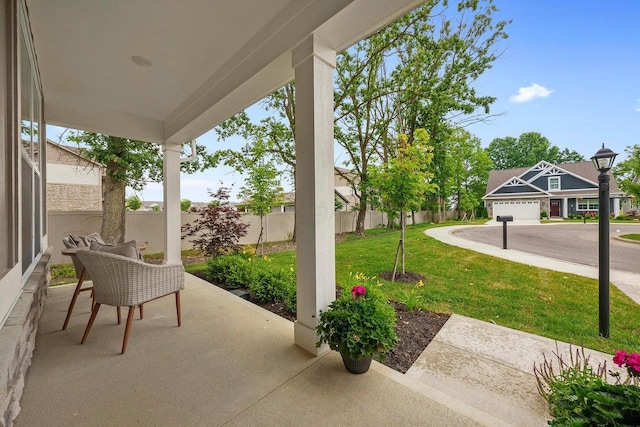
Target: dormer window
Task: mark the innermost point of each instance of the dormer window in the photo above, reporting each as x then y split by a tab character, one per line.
554	183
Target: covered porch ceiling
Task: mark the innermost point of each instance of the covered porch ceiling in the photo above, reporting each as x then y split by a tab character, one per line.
168	71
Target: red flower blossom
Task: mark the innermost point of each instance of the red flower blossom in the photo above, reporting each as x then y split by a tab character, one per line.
358	291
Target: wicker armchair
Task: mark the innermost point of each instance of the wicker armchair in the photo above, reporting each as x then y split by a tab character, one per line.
120	281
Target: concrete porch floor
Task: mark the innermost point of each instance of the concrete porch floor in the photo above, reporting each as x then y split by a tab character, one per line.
231	363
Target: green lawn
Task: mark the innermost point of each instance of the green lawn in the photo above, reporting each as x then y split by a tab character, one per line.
543	302
631	236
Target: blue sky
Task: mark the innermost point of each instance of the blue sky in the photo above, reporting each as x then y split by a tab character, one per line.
570	70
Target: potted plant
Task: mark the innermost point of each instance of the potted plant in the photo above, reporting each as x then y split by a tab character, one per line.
359	325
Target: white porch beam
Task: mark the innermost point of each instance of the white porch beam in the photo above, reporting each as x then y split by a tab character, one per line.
171	172
565	207
616	207
314	63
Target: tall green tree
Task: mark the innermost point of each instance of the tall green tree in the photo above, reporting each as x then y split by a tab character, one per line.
469	164
417	72
627	172
270	139
527	150
402	182
447	51
262	190
128	163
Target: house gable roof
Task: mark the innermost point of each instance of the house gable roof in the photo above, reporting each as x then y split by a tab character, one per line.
517	182
73	151
583	171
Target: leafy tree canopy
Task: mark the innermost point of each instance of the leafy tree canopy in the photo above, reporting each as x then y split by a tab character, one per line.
527	150
185	204
628	171
133	203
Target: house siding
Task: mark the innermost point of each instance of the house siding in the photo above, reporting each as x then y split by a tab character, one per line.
567	182
73	182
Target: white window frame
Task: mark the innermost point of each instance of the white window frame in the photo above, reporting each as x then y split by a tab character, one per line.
552	178
590	203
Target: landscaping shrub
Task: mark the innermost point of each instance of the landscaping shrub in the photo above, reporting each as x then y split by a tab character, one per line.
272	284
544	214
580	396
233	271
571	216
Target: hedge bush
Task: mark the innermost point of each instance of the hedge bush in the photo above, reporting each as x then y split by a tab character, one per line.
265	282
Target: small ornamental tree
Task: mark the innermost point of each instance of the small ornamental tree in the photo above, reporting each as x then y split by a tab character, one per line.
262	190
403	182
219	227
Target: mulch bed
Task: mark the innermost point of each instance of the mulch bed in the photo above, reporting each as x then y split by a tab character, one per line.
415	329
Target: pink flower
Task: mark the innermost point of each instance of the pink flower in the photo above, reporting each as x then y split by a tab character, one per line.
358	291
620	358
633	362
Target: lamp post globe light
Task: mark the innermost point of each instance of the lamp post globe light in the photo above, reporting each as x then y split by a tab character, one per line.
603	161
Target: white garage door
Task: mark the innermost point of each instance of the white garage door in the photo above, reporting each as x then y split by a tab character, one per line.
519	210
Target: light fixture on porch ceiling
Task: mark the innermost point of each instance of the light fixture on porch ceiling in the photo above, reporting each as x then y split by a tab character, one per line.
141	61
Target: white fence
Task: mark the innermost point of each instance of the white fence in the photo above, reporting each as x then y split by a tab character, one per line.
147	227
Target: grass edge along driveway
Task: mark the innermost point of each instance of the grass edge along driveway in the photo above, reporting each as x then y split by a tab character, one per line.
555	305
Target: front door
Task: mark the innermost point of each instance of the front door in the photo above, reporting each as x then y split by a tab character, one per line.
555	208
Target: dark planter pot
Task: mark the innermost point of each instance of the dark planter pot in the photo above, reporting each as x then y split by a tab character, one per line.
359	366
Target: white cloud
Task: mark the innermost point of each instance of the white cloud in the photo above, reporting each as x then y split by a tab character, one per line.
529	93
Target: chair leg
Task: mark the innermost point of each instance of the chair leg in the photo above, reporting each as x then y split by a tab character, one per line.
74	298
127	330
119	315
178	308
94	313
141	306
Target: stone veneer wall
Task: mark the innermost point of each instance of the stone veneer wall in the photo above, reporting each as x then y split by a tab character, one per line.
76	197
17	340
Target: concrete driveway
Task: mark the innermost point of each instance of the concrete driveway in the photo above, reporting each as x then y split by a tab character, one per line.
568	242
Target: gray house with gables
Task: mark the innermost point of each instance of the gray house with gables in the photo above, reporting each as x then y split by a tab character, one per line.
558	190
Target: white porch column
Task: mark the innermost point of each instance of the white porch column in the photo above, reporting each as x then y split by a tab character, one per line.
171	171
616	207
315	225
565	207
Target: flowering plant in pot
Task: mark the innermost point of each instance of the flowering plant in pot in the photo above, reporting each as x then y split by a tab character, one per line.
359	325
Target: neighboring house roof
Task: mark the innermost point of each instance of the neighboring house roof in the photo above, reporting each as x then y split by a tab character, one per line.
73	151
522	181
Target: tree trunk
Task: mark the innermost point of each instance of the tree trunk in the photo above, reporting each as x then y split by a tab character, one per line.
260	236
402	227
362	213
113	207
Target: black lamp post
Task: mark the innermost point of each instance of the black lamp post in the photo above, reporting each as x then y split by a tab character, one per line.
603	161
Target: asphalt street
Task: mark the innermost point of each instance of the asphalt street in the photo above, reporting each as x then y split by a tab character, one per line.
568	242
